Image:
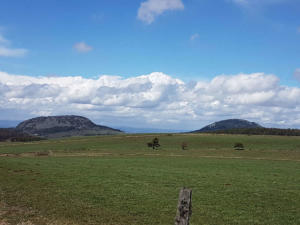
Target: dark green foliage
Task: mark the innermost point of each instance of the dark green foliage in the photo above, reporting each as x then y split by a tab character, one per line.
11	134
260	131
150	144
154	144
238	146
26	139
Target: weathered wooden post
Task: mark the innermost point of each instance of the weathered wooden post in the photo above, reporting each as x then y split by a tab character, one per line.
184	208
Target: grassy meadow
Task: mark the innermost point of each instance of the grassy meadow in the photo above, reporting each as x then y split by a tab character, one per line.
119	180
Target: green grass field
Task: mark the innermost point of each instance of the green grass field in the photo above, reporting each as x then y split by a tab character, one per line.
119	180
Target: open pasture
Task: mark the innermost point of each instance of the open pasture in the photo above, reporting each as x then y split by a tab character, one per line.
119	180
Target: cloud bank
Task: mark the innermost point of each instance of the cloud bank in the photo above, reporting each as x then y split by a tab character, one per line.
150	9
153	100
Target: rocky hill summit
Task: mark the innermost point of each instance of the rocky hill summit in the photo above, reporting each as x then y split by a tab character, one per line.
228	124
64	126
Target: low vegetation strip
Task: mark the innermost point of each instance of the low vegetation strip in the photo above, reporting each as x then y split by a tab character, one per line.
259	131
13	135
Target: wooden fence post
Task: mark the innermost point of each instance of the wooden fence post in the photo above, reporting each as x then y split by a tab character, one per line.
184	208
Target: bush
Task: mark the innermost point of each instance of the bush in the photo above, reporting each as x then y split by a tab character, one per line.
150	144
26	139
12	134
238	146
154	144
184	146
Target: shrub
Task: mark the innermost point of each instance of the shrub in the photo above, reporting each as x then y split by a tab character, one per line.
154	144
150	144
238	146
184	146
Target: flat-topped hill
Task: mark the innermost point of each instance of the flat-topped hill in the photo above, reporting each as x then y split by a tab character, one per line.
64	126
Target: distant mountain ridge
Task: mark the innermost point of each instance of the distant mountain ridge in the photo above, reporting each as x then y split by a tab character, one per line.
228	124
64	126
135	130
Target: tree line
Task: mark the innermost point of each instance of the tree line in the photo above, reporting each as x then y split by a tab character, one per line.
11	134
259	131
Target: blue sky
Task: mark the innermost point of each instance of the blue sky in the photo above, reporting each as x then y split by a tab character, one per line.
231	38
191	40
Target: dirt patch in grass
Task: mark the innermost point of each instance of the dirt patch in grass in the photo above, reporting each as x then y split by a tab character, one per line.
28	154
12	215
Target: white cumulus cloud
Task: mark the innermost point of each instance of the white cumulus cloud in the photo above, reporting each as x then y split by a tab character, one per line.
150	9
82	47
154	99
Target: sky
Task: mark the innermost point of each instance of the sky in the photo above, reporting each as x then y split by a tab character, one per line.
174	64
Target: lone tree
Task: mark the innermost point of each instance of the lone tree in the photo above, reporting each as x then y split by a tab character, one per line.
154	144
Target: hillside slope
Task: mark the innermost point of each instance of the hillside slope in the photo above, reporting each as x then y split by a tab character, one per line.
228	124
64	126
